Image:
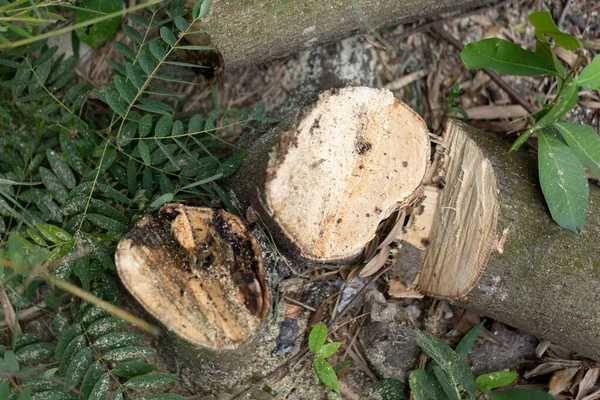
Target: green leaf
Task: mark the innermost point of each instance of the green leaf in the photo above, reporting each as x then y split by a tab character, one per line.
505	57
101	32
133	368
585	143
128	354
53	184
54	233
4	114
544	50
325	373
388	389
34	353
167	36
162	396
464	347
93	313
113	100
424	386
157	50
125	89
61	169
563	182
340	366
26	393
26	339
590	75
149	382
181	23
145	125
90	379
36	238
495	380
521	394
317	337
46	110
73	348
544	25
109	224
328	349
565	102
232	163
78	366
65	338
144	152
135	75
100	388
195	124
159	202
456	368
449	387
105	326
132	34
146	60
163	126
200	9
117	339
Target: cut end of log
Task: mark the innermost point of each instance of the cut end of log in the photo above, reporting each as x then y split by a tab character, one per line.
347	163
463	231
198	271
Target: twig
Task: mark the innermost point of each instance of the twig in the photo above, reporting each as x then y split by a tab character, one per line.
9	312
442	33
286	367
563	14
431	24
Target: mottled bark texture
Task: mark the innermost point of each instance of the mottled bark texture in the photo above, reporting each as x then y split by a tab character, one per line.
537	277
249	32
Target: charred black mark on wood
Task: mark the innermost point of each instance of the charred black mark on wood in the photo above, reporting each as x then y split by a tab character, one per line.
362	147
405	164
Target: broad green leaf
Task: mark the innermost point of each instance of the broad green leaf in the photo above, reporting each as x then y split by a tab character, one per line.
135	75
132	33
61	169
544	25
36	238
563	181
4	389
125	89
424	386
544	50
125	51
11	364
449	386
181	23
146	60
144	152
65	338
328	349
157	50
105	326
54	233
317	337
388	389
109	224
100	388
196	123
464	346
133	368
585	143
46	110
565	103
26	393
454	365
113	100
163	126
145	125
93	313
325	373
53	184
101	32
117	339
340	366
34	353
92	375
159	202
78	366
495	380
201	9
73	348
590	75
150	381
505	57
521	394
128	354
26	339
167	36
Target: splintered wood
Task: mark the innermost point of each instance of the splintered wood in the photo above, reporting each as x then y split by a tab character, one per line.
346	164
463	232
199	272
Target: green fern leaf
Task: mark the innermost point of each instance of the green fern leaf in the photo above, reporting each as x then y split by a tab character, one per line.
100	388
133	368
107	223
93	314
78	366
34	353
115	340
77	344
125	89
132	34
149	382
167	36
128	354
26	339
181	23
92	375
105	326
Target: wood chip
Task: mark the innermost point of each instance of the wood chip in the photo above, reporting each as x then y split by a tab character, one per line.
496	112
588	382
561	380
400	291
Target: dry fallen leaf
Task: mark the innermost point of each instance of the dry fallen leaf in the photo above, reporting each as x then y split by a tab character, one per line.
561	380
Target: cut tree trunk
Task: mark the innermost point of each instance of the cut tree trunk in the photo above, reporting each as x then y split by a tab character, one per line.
247	33
495	249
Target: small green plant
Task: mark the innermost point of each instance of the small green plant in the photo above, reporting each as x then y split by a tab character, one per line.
456	91
562	146
316	344
448	376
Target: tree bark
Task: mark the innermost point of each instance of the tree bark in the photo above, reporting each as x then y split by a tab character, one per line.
246	33
495	249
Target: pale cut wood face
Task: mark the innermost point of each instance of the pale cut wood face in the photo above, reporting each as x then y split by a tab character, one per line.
199	272
350	160
463	231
